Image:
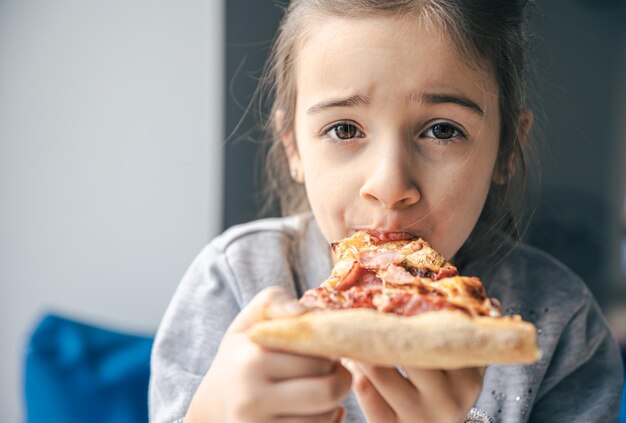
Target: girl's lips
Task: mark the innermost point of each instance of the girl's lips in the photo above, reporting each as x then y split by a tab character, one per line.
386	236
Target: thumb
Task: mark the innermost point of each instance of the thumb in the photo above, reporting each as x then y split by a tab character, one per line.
271	303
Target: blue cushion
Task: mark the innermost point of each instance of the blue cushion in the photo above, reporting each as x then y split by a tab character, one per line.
622	409
76	372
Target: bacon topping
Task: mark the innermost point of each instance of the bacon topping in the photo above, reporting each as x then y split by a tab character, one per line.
406	304
370	280
446	272
361	298
316	298
398	275
350	278
358	275
355	297
379	259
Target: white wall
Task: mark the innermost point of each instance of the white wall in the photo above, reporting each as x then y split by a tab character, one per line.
110	161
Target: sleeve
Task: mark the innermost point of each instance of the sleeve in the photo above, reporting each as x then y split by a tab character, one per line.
190	333
584	380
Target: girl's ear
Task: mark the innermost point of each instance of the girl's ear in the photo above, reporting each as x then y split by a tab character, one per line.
503	172
288	140
524	125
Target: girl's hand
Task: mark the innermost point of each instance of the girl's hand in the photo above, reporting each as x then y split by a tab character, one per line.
423	396
247	383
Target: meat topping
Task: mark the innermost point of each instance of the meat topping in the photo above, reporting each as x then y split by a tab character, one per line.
381	258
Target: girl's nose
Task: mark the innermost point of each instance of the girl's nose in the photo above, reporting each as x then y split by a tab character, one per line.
390	182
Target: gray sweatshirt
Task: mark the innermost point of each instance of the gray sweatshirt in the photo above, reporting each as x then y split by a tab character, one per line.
578	379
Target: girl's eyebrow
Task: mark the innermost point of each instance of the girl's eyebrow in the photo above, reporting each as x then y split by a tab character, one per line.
352	101
421	96
442	98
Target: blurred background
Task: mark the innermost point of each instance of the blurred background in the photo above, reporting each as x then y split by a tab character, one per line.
114	170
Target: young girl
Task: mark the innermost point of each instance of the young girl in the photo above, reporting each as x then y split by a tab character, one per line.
393	116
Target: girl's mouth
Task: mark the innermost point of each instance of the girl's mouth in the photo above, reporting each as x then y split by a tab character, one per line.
386	236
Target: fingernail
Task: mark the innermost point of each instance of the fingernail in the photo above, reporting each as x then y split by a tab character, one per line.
293	307
347	363
289	308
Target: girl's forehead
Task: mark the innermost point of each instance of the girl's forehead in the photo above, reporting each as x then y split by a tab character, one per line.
384	55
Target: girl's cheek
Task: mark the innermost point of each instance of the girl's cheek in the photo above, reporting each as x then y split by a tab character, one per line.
455	211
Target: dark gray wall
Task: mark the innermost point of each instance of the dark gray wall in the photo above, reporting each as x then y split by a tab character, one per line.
578	66
250	28
578	69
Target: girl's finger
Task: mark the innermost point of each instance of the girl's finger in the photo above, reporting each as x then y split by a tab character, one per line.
280	366
269	303
428	382
466	384
333	416
368	397
434	387
310	396
454	391
467	375
397	391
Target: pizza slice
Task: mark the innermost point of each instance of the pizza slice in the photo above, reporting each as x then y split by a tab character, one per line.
399	302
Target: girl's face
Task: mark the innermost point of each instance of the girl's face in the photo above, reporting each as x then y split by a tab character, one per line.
395	130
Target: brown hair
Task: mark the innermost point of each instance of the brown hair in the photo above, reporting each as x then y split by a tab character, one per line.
489	33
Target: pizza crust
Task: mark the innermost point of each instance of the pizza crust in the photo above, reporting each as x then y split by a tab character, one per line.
437	339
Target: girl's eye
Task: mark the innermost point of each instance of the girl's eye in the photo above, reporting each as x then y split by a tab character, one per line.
443	131
344	131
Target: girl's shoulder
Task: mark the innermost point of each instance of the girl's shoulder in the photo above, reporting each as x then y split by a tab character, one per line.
532	276
258	233
286	251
